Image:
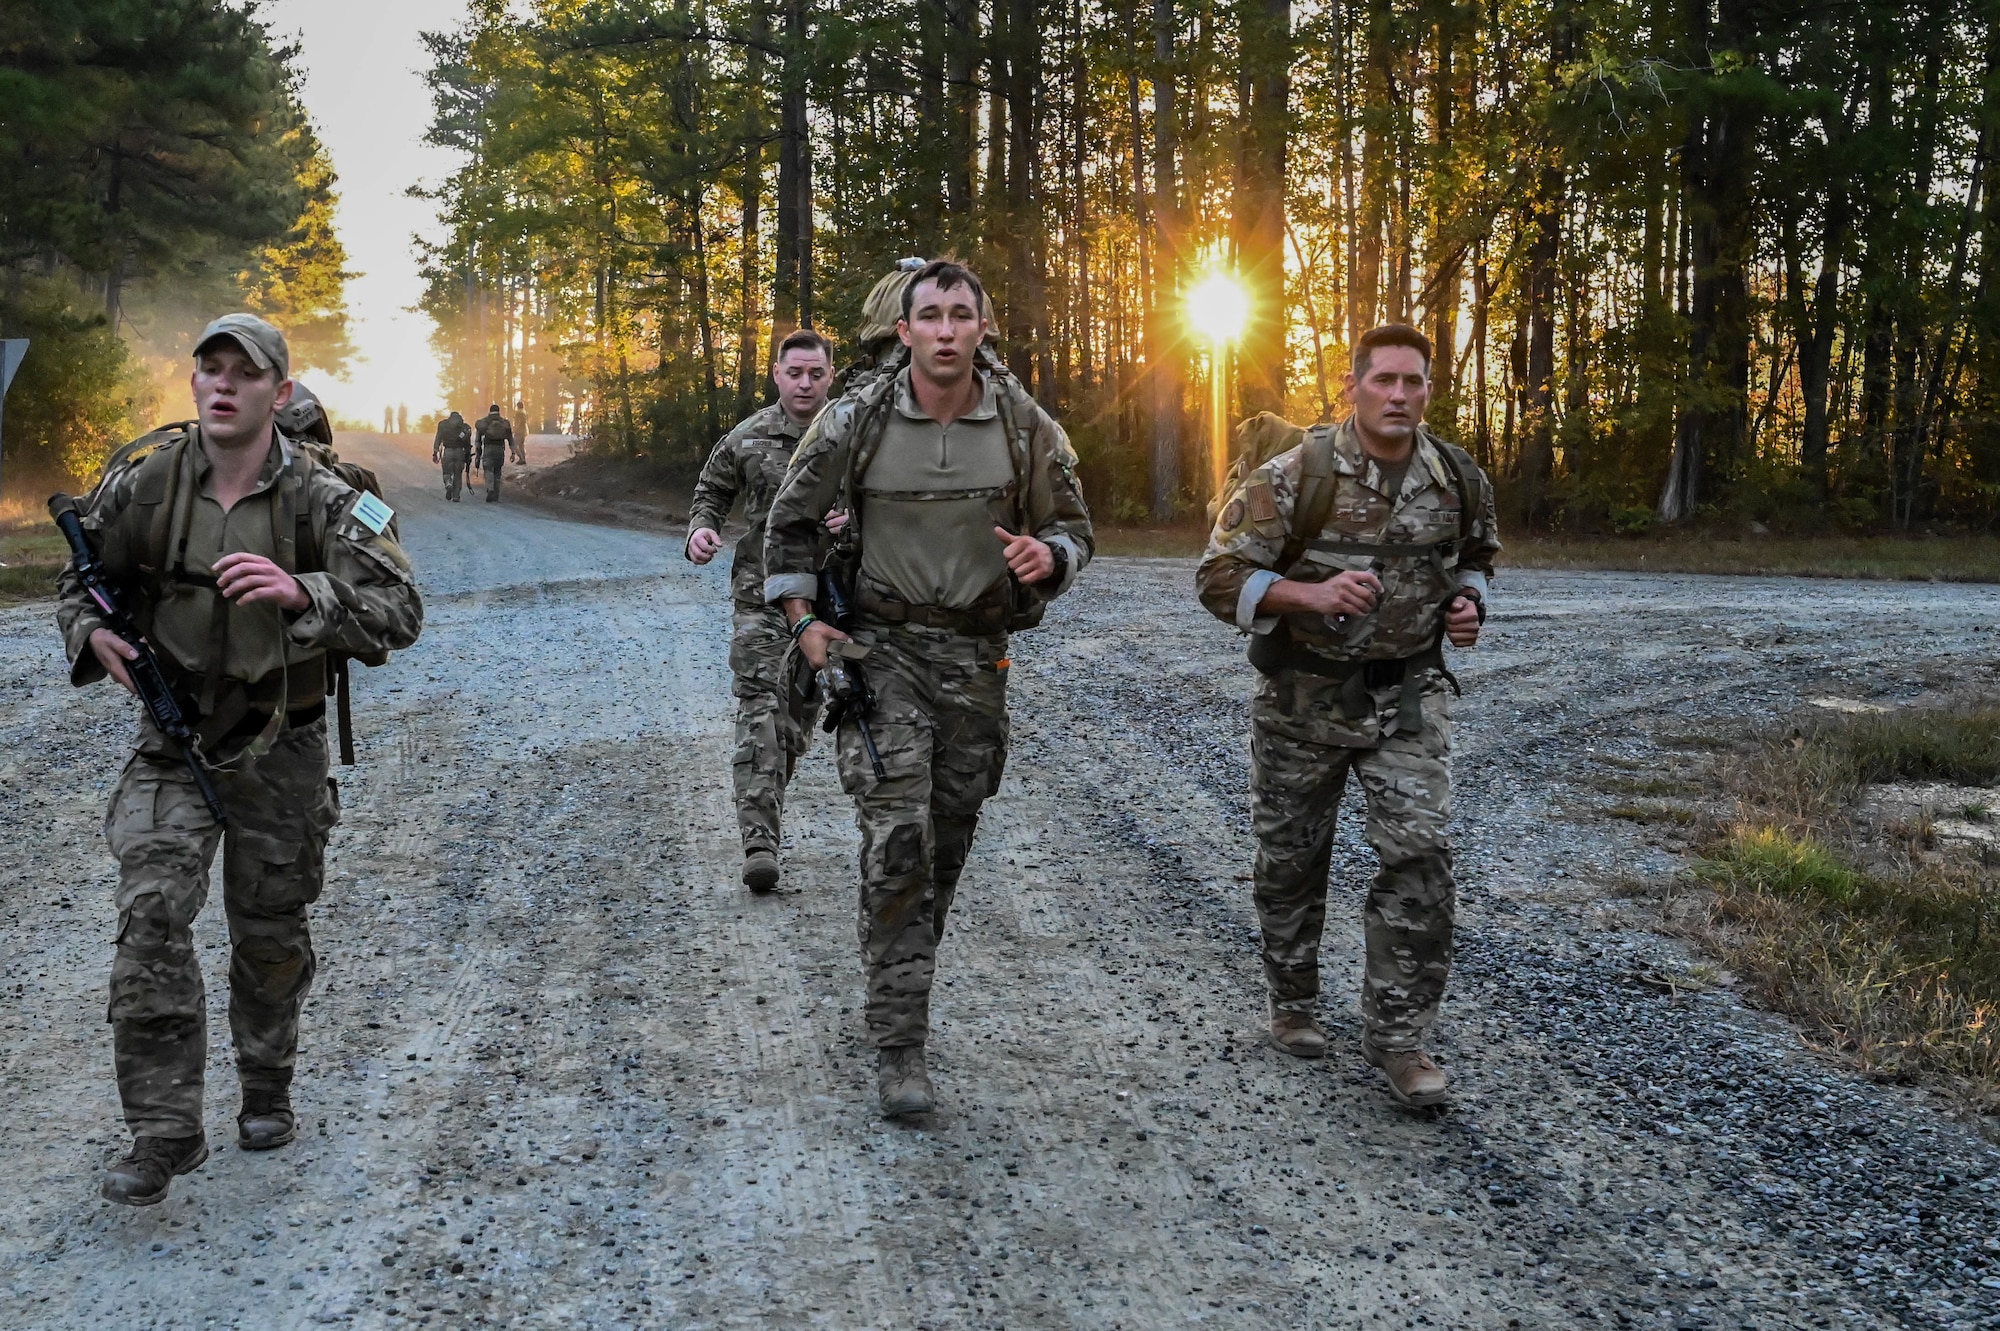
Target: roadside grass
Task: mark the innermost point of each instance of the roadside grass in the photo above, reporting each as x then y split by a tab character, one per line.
1879	938
1882	558
30	554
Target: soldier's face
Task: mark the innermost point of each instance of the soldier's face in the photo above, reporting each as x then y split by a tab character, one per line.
1390	395
942	332
234	400
803	378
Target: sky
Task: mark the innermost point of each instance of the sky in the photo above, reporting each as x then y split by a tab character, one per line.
364	89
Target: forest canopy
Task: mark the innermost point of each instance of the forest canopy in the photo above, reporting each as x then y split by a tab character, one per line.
156	168
1719	257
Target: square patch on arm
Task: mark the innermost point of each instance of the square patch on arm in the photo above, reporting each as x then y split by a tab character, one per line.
373	514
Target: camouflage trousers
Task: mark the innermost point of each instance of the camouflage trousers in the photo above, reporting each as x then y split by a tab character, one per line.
454	472
492	464
776	707
940	726
281	808
1301	755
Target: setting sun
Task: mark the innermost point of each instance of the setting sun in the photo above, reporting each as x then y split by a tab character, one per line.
1218	307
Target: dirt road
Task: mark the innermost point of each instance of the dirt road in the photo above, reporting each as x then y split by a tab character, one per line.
561	1070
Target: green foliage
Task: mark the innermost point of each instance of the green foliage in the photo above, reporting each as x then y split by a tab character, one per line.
1762	251
1766	859
77	391
158	170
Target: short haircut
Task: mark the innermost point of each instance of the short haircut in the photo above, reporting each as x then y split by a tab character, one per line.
947	274
804	339
1390	335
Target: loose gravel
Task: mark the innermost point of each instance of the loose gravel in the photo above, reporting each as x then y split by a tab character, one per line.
560	1070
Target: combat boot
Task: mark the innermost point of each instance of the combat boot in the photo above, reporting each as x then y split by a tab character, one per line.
902	1081
1413	1078
267	1121
1297	1034
143	1176
760	870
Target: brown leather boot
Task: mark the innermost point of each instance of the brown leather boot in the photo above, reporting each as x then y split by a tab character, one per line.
903	1082
150	1167
1297	1034
760	871
1413	1078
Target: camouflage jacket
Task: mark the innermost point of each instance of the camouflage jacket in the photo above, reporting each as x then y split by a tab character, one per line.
1248	544
749	462
1046	499
362	596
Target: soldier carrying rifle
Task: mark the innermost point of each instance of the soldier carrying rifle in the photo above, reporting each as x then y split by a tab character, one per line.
245	563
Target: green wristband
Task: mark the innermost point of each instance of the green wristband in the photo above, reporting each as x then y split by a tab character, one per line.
804	620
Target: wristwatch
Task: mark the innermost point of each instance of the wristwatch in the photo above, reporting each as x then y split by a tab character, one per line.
1060	554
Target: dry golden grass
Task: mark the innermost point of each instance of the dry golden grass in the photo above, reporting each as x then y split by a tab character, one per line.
1883	558
31	550
1885	943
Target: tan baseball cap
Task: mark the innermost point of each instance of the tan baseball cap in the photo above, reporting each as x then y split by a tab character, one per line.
263	344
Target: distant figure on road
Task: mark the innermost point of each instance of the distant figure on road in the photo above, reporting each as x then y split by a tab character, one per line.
966	513
775	708
1350	559
388	420
493	434
521	434
402	420
243	638
452	448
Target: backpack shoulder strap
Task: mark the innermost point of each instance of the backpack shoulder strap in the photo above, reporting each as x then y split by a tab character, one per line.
1014	396
1461	466
1315	494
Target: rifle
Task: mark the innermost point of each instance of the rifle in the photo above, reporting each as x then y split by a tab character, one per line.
148	681
848	697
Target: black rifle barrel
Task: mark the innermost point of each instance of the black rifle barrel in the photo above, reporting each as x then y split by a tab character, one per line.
148	680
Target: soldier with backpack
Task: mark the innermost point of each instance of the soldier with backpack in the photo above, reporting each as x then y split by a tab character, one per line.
492	435
965	520
1350	560
452	447
250	566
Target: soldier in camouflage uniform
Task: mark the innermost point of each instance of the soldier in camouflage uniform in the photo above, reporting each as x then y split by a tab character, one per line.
775	705
246	563
491	437
452	447
967	517
1350	559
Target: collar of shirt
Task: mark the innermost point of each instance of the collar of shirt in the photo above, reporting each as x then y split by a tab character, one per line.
988	408
275	458
1425	466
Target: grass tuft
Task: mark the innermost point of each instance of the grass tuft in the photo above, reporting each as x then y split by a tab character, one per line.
1887	944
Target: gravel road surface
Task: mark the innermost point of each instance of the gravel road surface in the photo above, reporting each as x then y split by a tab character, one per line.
560	1070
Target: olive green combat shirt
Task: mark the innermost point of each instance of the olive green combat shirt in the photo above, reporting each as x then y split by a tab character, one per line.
362	600
750	462
1420	508
930	496
934	494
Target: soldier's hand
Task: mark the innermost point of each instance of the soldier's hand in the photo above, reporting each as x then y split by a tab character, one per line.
837	520
249	579
1461	621
703	542
112	652
1028	559
813	643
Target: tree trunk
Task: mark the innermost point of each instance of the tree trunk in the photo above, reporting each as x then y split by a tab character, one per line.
791	291
1164	364
1718	163
1259	220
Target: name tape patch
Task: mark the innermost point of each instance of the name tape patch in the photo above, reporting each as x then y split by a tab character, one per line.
373	514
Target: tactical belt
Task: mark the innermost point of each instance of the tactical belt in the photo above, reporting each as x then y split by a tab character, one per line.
253	722
985	618
1359	679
